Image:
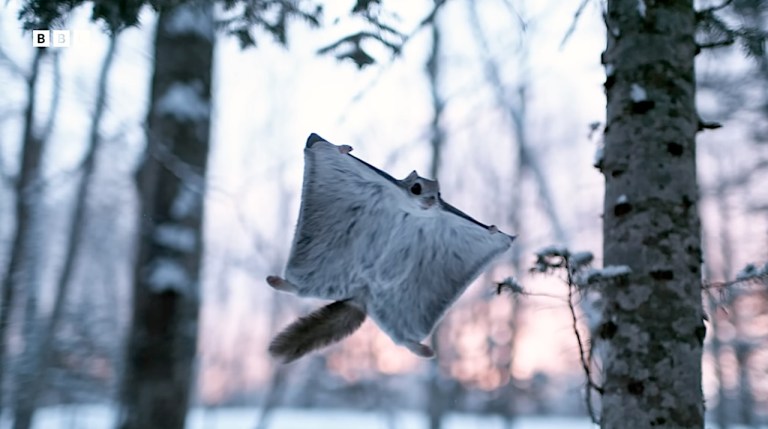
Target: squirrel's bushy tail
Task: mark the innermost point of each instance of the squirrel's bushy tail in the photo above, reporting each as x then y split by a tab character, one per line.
318	329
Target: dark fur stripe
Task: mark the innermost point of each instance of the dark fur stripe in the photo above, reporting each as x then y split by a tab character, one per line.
318	329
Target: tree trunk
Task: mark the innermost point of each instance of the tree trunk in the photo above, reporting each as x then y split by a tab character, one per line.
653	317
27	191
41	343
436	394
171	181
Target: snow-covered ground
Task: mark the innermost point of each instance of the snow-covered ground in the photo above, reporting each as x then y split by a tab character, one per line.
102	417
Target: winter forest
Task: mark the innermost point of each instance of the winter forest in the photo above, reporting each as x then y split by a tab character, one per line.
151	179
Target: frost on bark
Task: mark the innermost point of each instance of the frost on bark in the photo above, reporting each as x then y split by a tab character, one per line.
163	335
652	323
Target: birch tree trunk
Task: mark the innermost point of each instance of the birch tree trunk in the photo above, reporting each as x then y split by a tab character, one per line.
436	393
653	323
163	335
18	273
41	342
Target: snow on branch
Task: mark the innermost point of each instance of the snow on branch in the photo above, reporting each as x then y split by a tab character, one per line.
750	275
554	258
593	276
752	272
511	284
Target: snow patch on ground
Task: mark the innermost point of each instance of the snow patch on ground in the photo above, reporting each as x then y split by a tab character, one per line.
104	417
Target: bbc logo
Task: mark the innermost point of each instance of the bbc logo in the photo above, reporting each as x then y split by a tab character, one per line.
51	38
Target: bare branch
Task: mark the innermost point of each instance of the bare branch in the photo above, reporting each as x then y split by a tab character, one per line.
584	358
575	21
56	98
704	125
715	8
517	117
717	44
15	68
41	353
740	179
555	258
428	19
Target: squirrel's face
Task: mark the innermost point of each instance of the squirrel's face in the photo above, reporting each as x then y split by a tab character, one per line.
423	194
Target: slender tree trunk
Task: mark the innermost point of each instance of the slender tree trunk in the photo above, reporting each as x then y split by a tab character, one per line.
740	345
41	345
516	112
436	400
280	373
527	163
653	322
716	344
744	350
26	367
726	256
171	180
27	193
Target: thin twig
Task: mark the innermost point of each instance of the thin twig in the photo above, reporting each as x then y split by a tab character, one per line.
741	179
717	44
575	21
713	9
585	363
13	65
428	19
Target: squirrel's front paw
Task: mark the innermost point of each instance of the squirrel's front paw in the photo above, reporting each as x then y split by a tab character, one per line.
421	350
279	283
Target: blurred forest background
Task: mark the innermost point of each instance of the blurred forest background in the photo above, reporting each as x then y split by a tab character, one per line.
501	100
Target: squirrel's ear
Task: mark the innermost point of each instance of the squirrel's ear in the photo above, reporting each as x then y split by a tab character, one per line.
312	139
434	186
413	176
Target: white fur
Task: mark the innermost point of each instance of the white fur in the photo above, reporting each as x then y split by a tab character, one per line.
362	236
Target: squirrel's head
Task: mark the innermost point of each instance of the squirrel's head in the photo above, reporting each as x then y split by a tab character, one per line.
424	192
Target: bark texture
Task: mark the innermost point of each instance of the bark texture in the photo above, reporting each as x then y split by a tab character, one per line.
653	323
41	343
162	340
18	276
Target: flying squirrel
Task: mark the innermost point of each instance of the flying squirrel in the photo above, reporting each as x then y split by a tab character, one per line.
376	246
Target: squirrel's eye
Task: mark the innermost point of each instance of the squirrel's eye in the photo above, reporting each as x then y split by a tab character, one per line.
416	189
